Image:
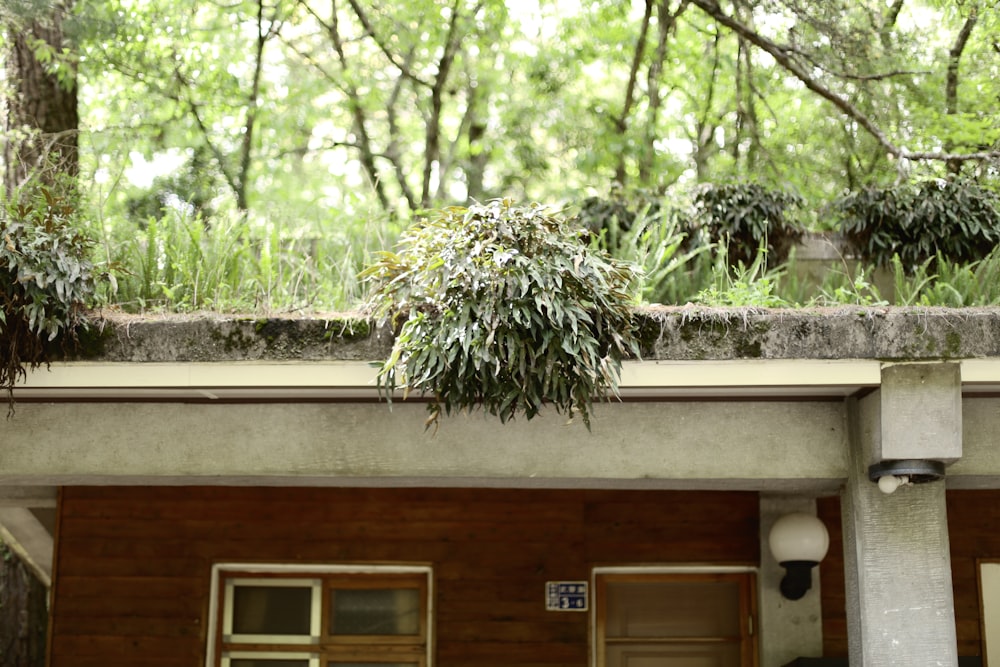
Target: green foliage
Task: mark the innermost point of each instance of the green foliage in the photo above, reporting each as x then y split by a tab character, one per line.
952	284
746	217
294	103
181	262
653	241
742	286
958	220
843	288
46	278
505	308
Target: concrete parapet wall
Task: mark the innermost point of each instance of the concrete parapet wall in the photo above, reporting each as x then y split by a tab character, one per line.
676	333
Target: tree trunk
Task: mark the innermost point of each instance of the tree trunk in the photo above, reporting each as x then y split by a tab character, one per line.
621	123
43	104
23	614
951	83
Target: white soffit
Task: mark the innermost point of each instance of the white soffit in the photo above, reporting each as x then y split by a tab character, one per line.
981	376
332	380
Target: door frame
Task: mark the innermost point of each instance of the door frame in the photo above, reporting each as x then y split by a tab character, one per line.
748	599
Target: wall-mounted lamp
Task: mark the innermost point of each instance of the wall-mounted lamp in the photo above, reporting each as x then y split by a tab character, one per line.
892	474
798	542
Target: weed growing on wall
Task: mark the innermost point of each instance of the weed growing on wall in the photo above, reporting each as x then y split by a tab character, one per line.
45	279
506	308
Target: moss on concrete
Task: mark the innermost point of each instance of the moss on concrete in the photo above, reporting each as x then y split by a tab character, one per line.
664	333
952	344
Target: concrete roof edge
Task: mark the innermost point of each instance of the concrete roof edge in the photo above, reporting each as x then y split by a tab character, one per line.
687	333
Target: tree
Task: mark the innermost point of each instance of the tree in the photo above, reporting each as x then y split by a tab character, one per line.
797	62
290	106
41	121
40	155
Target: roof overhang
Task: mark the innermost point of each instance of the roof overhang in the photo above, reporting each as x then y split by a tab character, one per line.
356	380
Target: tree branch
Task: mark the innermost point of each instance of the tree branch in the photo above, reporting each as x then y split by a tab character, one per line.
220	157
955	58
432	142
392	151
621	123
358	115
383	47
666	22
784	56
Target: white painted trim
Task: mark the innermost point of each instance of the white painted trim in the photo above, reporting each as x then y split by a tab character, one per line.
315	602
306	569
89	375
672	569
356	379
981	370
311	657
752	373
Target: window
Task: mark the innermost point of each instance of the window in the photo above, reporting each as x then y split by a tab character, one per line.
334	617
989	602
674	620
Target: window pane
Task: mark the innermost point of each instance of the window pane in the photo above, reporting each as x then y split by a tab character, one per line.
373	611
371	664
272	610
269	662
674	655
673	609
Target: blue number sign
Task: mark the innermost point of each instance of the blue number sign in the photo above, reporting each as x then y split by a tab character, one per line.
566	596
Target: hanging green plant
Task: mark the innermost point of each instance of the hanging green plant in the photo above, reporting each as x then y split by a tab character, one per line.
505	308
46	279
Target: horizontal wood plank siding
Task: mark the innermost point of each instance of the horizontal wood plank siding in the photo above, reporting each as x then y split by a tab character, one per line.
974	533
134	563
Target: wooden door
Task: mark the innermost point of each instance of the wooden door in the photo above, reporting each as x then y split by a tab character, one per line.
675	620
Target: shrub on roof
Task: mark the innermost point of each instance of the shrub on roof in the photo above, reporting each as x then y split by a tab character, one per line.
506	308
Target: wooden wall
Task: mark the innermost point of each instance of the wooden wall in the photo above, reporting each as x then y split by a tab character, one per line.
974	533
133	563
831	581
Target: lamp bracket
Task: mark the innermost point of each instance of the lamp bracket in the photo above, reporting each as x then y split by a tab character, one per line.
798	578
919	471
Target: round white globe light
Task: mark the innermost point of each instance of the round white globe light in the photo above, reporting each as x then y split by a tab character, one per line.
799	537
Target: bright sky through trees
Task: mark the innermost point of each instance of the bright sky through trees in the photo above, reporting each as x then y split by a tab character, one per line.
299	105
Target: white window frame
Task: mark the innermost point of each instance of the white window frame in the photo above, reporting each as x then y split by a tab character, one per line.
307	571
282	655
988	575
316	600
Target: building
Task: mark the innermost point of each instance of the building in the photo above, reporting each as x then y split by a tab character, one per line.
232	492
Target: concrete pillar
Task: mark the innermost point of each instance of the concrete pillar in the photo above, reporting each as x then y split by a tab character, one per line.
900	609
789	629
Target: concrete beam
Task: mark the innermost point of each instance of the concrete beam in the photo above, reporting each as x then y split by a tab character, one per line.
900	609
29	539
714	444
979	466
921	413
28	496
